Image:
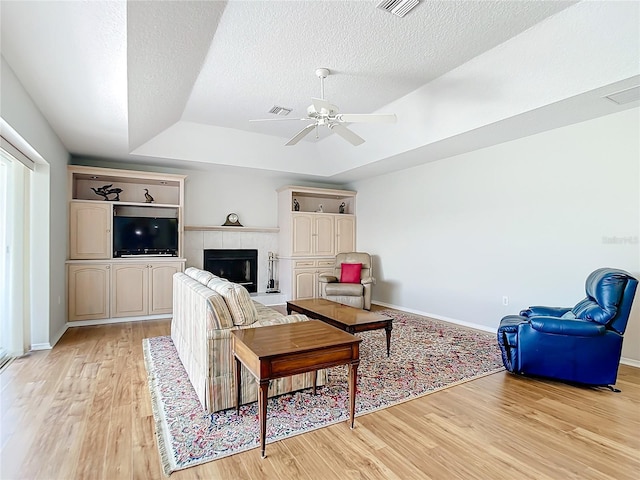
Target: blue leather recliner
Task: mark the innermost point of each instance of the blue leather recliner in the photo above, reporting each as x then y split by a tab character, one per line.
582	344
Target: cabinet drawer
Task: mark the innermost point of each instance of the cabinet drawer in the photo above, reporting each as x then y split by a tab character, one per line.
304	263
326	263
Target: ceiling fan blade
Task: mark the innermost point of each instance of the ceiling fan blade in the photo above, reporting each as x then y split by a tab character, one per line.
301	134
319	104
347	134
279	119
367	117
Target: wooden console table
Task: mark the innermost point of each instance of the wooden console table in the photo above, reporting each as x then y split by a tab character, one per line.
282	350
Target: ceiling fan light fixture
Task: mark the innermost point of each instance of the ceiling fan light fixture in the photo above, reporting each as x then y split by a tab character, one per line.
282	111
398	7
322	113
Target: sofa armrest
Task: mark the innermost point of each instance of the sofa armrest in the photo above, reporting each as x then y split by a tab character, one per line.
293	318
545	311
367	280
326	278
563	326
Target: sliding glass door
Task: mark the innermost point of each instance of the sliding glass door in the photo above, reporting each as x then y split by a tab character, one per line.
14	255
5	166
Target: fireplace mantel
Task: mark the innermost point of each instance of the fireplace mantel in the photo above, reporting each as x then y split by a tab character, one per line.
193	228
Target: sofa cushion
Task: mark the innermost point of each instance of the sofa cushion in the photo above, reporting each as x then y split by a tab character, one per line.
201	276
349	289
221	316
215	280
238	300
266	313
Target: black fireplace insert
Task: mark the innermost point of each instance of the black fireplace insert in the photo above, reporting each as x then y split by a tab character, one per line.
236	265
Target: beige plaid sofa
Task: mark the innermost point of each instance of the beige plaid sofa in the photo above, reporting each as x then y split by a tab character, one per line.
206	309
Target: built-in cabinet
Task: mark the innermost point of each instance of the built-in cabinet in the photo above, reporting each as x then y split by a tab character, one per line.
99	285
306	273
89	230
315	225
142	289
313	234
114	290
88	291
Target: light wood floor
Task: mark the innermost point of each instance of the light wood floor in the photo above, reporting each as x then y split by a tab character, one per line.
82	410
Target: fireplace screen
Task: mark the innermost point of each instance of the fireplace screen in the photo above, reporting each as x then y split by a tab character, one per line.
237	266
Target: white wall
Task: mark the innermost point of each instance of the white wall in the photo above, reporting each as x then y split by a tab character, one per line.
528	219
49	222
210	196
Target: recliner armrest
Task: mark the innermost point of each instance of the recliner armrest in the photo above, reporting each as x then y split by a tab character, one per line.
367	280
326	278
545	311
565	326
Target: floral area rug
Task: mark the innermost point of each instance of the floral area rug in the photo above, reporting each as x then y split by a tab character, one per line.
426	356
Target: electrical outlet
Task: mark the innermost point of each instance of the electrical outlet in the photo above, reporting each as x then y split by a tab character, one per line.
505	300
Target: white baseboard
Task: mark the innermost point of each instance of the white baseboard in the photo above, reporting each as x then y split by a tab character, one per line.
625	361
57	338
106	321
41	346
475	326
631	362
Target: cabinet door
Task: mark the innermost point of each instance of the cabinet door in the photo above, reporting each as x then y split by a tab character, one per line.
304	284
88	291
129	290
302	232
161	287
324	235
345	234
89	231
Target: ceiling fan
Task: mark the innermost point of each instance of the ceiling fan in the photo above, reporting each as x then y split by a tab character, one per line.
322	113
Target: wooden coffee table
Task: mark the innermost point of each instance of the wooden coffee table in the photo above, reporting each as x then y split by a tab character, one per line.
349	319
287	349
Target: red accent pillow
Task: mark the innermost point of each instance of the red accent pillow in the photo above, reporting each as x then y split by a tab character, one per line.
350	273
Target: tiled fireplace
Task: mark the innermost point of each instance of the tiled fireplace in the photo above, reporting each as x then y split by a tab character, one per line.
261	240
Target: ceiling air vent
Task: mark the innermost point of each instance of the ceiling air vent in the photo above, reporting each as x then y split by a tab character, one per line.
398	7
625	96
282	111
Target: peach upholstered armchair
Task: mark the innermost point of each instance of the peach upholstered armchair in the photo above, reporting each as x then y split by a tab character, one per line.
351	280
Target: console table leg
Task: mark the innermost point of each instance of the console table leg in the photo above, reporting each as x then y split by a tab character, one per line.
238	383
262	413
315	380
353	378
387	330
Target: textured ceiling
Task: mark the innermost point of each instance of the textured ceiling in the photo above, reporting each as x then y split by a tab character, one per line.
266	53
174	82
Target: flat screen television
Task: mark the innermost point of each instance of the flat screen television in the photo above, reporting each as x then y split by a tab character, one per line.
145	236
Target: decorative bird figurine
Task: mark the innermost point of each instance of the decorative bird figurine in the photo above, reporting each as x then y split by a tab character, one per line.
117	191
102	191
148	198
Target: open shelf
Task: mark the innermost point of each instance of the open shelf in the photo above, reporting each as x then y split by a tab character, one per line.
310	198
131	204
130	186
